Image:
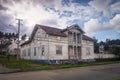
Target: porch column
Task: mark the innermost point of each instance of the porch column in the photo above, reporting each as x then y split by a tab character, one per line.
73	44
76	46
80	38
72	37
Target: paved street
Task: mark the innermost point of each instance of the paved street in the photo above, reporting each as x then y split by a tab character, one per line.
102	72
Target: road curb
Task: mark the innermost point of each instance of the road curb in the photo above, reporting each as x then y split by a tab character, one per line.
13	71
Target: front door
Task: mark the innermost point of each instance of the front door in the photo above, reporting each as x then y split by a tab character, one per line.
71	52
79	52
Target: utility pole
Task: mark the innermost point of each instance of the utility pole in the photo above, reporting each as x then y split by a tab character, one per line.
18	35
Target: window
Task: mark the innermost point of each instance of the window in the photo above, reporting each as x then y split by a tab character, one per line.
43	51
38	34
88	51
58	49
24	52
28	51
87	42
34	51
45	35
79	38
74	36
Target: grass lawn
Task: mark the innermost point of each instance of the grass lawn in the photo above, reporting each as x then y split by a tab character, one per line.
25	65
118	79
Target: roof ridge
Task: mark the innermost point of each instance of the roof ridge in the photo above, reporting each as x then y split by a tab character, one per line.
85	37
48	26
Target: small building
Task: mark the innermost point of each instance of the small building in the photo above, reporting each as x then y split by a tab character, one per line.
13	47
53	45
101	49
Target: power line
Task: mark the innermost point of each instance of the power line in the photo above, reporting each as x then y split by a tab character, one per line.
4	24
7	25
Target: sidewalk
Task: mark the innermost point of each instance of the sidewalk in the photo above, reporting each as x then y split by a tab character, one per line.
4	70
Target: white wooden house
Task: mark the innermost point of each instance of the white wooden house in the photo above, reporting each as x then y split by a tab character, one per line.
53	45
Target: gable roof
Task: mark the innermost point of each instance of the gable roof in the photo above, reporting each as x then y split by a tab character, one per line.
74	26
52	31
48	30
26	42
84	37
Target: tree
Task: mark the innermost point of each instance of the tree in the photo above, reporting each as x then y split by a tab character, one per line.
5	40
107	43
96	47
114	47
9	35
115	50
1	34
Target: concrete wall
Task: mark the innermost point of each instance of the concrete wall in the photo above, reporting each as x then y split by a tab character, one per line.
87	54
38	45
101	55
52	51
49	42
39	40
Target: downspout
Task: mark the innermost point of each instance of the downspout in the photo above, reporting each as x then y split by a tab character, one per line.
81	46
68	44
48	49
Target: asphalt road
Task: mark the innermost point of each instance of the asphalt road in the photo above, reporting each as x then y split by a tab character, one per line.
102	72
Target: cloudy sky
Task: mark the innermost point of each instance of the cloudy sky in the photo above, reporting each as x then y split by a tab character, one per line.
99	18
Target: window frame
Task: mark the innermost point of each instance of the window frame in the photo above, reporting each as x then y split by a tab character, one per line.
59	50
43	50
88	51
35	51
29	52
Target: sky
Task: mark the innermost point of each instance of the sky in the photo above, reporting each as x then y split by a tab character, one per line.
98	18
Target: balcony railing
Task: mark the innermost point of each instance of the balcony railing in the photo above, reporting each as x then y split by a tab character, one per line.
71	42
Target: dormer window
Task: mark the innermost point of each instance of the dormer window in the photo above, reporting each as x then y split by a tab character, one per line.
38	34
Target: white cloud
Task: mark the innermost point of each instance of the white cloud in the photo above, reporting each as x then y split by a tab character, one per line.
115	22
116	6
34	12
93	25
101	6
